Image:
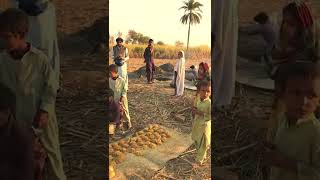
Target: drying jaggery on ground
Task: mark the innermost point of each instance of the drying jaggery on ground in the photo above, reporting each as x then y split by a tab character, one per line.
152	104
150	137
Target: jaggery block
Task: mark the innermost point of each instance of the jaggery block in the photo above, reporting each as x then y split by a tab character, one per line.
141	143
135	145
131	150
121	158
116	147
125	145
152	146
117	153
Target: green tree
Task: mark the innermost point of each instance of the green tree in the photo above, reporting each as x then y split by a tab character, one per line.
179	44
192	15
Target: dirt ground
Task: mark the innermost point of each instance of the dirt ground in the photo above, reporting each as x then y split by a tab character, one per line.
150	104
80	103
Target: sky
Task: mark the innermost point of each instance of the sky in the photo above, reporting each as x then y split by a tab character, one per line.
160	20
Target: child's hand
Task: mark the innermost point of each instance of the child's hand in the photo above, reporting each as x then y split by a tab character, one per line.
41	120
121	107
194	109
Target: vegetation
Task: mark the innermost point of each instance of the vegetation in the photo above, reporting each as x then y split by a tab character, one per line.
192	15
167	51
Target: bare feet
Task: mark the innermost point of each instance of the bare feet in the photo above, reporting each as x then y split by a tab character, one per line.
197	164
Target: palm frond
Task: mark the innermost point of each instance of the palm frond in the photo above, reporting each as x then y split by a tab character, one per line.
184	19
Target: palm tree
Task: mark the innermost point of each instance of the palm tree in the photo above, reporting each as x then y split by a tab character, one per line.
192	15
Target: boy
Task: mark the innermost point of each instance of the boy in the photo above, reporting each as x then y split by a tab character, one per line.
295	152
148	59
201	128
26	71
113	112
119	88
15	142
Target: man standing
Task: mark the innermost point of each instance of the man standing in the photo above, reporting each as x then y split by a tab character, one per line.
148	59
120	56
225	33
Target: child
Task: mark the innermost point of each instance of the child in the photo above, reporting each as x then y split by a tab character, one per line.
148	59
179	75
193	71
113	112
26	71
296	136
203	74
297	44
15	142
296	35
264	28
201	128
118	86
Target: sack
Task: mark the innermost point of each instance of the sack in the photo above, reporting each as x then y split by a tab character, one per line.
32	7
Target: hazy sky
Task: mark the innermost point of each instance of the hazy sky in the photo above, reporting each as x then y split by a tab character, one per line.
159	19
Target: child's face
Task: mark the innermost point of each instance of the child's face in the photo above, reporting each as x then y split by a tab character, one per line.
289	25
113	74
200	70
179	54
12	41
4	117
119	43
205	92
301	97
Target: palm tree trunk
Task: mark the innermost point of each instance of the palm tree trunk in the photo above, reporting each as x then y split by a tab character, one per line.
188	37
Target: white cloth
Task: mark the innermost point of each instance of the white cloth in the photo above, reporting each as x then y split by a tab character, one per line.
123	70
180	69
225	29
43	35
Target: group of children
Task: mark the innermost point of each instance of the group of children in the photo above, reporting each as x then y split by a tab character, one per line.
29	129
292	150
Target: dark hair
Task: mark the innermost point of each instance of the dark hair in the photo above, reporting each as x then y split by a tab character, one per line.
306	70
119	39
292	9
192	67
113	68
7	98
261	18
150	40
14	21
204	83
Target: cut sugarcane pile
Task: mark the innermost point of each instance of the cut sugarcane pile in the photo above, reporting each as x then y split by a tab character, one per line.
150	137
